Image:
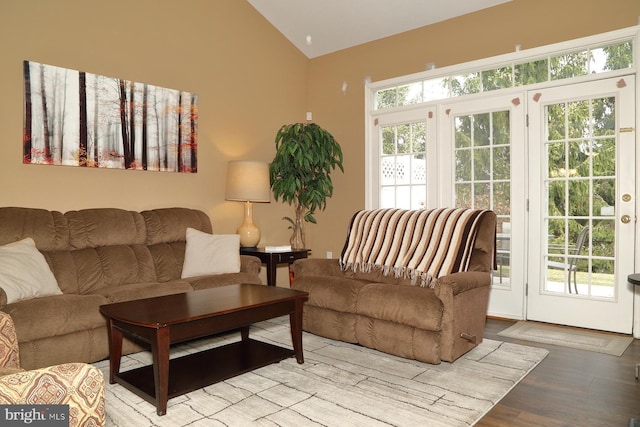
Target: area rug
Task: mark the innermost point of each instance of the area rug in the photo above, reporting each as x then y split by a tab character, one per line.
339	384
600	342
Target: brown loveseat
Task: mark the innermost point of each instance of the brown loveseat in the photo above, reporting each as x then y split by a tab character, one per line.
100	256
391	312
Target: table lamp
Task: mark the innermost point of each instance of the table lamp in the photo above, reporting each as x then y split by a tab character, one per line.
248	181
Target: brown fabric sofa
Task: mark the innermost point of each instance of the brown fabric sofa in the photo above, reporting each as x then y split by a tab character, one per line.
393	314
99	256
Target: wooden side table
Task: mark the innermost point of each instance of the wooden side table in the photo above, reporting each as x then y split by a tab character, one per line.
272	259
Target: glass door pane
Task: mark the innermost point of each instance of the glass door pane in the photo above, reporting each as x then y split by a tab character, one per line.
580	185
403	166
482	159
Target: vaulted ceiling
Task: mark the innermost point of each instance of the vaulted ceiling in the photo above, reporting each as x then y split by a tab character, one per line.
319	27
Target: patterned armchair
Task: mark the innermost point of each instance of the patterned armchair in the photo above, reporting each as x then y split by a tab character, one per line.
79	385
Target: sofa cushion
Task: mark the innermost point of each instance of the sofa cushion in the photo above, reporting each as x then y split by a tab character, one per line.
64	269
90	228
49	229
55	315
24	272
170	224
325	322
168	259
408	305
399	339
213	281
142	290
210	254
112	265
335	293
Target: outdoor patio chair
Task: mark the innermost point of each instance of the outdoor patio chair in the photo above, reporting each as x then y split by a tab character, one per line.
571	266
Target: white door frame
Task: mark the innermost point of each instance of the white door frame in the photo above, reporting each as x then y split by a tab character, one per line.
578	310
506	300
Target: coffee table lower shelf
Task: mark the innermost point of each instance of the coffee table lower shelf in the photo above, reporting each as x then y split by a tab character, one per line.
198	370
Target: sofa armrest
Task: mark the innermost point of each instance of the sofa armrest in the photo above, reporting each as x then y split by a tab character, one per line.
250	264
79	385
316	267
465	298
464	281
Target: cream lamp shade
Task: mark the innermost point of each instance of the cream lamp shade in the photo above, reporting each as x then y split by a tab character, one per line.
248	181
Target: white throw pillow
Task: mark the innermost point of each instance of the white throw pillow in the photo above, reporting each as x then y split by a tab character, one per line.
24	273
210	254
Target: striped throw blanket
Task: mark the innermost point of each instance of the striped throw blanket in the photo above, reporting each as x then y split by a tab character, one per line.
418	244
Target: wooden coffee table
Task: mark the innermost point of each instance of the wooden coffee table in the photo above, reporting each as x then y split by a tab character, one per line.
165	320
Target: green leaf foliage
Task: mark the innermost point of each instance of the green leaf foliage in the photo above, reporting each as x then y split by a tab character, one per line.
300	172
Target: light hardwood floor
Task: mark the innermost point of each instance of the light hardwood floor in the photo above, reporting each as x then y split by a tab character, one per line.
569	388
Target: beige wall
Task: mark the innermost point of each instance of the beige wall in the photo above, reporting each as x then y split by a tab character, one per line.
495	31
250	80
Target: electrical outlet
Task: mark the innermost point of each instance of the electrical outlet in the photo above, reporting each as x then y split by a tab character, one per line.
309	115
329	255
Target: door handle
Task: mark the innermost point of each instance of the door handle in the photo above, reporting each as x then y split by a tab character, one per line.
626	219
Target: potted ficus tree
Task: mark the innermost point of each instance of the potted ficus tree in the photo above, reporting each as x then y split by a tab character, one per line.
301	172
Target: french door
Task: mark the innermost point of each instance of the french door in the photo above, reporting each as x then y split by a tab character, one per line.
485	145
557	166
582	197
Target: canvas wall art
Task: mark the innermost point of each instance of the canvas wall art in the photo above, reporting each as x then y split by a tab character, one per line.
76	118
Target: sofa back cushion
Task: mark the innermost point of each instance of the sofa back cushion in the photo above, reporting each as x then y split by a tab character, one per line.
48	229
64	269
169	225
92	228
420	244
168	259
106	266
483	256
106	248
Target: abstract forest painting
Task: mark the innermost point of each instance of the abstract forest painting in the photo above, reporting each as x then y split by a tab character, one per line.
76	118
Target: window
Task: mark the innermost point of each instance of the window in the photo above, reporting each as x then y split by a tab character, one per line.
402	152
518	72
477	133
403	166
